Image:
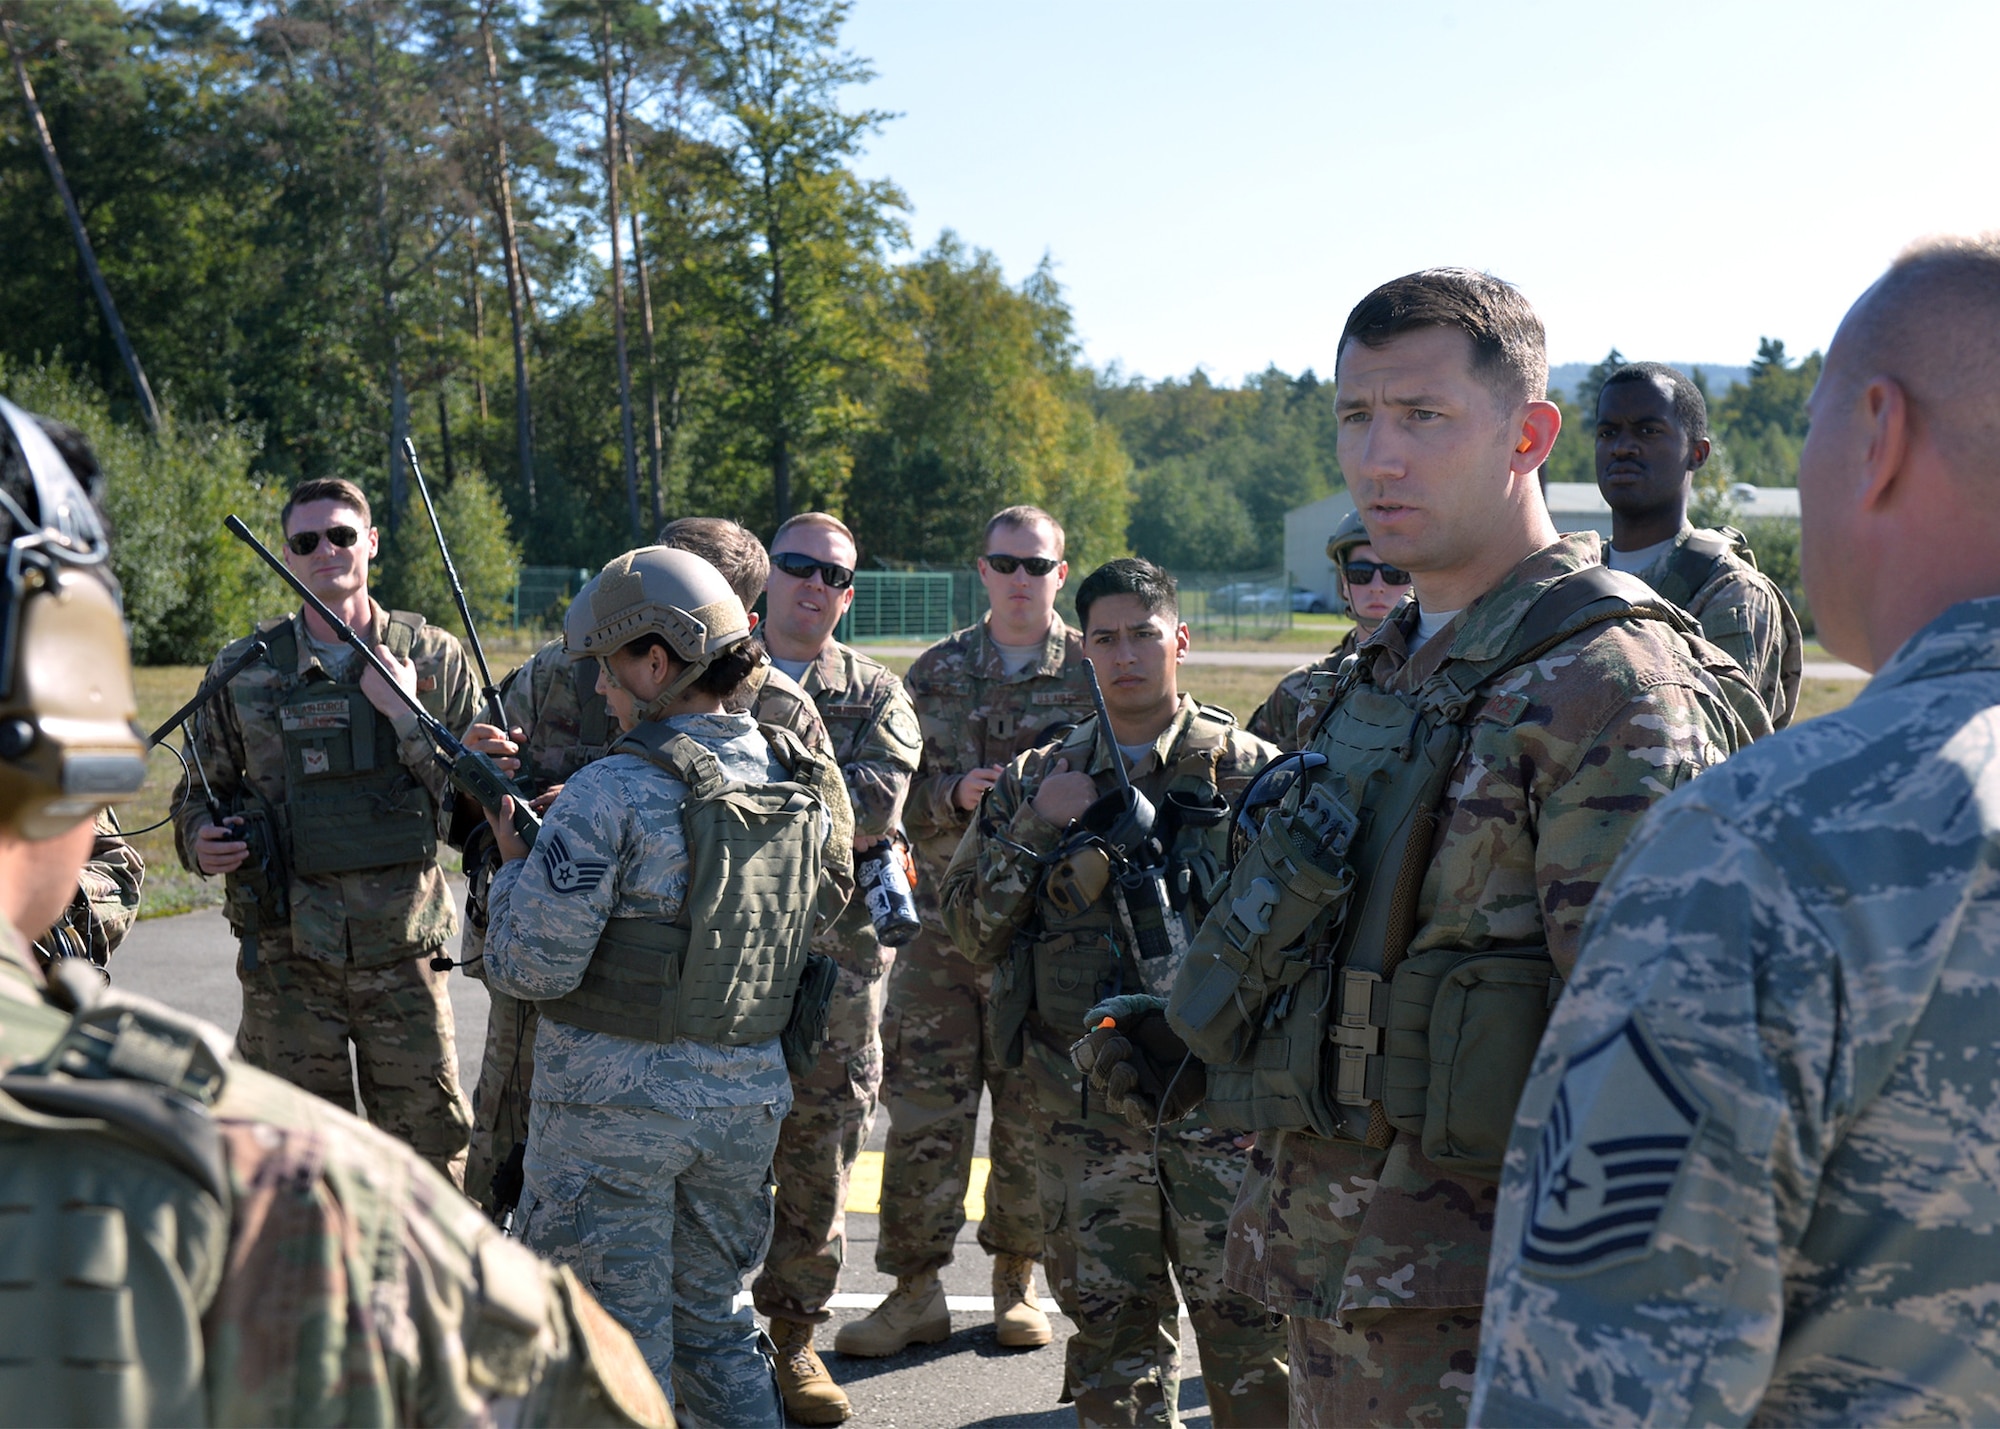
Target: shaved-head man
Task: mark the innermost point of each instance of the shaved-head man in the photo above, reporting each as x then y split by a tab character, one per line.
1752	1175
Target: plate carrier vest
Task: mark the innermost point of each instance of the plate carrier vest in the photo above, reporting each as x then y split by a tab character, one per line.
727	968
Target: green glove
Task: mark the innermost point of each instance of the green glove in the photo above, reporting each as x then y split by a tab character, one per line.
1139	1069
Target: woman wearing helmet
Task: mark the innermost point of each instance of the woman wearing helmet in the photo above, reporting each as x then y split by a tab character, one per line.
661	921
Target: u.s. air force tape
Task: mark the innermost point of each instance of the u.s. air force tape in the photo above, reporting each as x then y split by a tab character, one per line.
1617	1136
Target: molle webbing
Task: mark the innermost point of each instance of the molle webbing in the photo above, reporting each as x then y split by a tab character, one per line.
632	986
1693	563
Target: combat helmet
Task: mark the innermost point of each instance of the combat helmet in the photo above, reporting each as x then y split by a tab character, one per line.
657	590
68	743
1346	536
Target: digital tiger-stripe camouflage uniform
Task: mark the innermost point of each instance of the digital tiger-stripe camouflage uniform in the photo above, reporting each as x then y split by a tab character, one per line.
876	743
1752	1175
1376	1251
1120	1229
357	802
973	714
1713	576
564	726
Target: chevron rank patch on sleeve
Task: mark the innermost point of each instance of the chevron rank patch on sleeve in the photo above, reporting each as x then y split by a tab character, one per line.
1617	1134
565	873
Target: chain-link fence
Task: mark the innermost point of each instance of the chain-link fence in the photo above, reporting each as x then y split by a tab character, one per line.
543	593
926	605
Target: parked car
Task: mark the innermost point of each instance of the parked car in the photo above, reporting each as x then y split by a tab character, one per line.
1310	602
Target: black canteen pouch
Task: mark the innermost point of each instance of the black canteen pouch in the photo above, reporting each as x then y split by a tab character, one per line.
1461	1038
805	1029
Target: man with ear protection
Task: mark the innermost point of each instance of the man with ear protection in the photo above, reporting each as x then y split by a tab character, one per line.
181	1230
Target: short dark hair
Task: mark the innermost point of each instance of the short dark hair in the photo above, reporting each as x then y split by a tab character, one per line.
1158	591
727	545
1690	407
1510	351
1023	516
325	488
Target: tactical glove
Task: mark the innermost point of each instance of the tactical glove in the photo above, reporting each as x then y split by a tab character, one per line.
1139	1069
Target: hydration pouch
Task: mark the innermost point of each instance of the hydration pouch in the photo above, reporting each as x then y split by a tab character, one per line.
805	1030
1461	1038
1254	944
1010	1001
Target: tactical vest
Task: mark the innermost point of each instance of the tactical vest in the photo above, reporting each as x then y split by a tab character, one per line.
114	1209
1298	995
350	802
726	969
1070	961
1693	565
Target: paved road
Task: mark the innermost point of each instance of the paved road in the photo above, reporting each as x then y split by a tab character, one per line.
189	963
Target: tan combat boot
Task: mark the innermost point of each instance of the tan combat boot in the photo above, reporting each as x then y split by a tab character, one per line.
1018	1321
810	1395
913	1314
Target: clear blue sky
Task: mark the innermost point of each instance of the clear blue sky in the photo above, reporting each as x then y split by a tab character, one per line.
1218	183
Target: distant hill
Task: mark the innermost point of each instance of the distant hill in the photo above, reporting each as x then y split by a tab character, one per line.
1720	376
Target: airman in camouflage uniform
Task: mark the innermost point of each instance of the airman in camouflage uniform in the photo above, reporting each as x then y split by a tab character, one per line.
1120	1228
106	903
1286	716
350	960
560	724
648	1158
876	743
1752	1176
978	712
1652	437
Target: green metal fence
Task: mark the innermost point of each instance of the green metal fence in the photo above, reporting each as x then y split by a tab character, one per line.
899	605
927	605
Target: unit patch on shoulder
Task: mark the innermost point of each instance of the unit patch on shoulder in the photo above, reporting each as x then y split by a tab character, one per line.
567	874
900	725
1611	1150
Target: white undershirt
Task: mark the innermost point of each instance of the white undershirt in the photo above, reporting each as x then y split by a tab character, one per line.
795	668
1430	623
1016	658
1635	561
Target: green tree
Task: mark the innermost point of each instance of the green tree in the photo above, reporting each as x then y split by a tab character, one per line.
804	241
487	557
1762	422
984	406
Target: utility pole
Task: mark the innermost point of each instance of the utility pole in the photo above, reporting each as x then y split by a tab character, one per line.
147	406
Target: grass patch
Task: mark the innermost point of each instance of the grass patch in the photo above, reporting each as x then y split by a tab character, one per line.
169	888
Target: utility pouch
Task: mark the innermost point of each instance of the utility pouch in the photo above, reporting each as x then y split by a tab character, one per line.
805	1029
1252	946
1277	1084
1461	1038
1156	930
1010	1002
257	896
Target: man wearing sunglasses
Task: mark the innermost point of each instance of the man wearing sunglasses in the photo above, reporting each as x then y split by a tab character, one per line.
1652	437
1372	588
877	743
329	846
983	696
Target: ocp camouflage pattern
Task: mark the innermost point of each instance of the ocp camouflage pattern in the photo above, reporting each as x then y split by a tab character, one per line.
1563	758
1743	613
1288	712
1752	1175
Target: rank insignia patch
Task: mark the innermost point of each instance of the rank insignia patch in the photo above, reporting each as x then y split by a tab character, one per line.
1616	1137
566	874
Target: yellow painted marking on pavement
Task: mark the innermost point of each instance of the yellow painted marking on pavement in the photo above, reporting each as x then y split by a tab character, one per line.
864	1191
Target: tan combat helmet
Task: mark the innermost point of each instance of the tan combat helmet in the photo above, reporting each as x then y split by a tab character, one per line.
656	590
1346	536
68	742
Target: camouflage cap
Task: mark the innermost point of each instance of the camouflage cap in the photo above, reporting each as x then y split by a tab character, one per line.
1346	536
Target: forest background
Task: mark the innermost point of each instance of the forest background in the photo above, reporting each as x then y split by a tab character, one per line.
607	263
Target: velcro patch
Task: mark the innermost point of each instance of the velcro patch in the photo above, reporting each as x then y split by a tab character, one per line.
316	714
1059	697
313	760
1616	1138
567	874
1504	710
854	712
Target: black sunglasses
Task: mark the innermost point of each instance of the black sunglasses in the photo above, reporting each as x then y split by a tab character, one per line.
1007	565
304	543
802	568
1362	572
